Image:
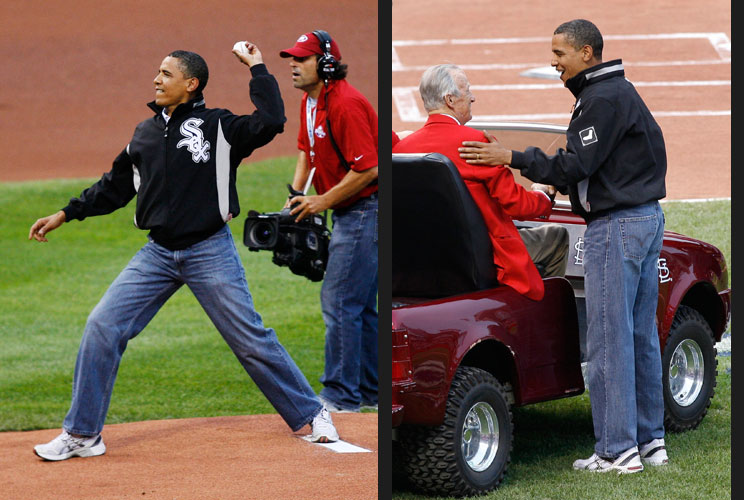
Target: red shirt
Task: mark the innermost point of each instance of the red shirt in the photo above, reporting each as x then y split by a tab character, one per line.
497	195
354	125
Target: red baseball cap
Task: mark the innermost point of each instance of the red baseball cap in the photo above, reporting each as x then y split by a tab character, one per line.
309	44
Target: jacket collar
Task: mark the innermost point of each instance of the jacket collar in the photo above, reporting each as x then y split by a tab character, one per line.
196	102
602	71
442	118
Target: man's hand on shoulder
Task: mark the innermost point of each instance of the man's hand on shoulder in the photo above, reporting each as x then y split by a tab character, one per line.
247	53
485	153
42	226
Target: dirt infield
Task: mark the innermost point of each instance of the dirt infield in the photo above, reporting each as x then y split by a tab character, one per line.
677	54
224	458
77	76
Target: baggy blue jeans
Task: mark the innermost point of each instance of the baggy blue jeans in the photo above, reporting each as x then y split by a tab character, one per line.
349	304
624	363
213	271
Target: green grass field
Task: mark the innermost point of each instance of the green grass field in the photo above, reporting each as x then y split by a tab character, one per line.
179	366
550	436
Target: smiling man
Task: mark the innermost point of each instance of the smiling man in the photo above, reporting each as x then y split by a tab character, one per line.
181	164
614	169
337	141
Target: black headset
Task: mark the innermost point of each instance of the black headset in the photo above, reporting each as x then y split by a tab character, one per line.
327	64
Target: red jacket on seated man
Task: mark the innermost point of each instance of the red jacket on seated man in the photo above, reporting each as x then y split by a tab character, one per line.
497	195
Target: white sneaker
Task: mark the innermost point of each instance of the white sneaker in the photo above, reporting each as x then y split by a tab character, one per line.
66	446
654	453
323	429
627	463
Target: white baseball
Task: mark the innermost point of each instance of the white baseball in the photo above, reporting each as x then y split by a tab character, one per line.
240	47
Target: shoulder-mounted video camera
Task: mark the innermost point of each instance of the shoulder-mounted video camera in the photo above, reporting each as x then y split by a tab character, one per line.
302	246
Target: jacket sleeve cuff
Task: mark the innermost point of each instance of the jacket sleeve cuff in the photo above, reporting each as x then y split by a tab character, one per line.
70	213
259	69
518	159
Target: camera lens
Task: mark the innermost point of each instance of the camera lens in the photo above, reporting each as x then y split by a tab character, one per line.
263	232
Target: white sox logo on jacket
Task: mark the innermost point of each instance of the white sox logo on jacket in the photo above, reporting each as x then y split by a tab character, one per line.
184	180
194	140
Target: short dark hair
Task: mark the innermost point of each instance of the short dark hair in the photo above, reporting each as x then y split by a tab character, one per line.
341	71
580	32
193	66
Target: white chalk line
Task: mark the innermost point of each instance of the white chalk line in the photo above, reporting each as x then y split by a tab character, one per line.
339	446
553	86
719	41
397	66
407	103
717	37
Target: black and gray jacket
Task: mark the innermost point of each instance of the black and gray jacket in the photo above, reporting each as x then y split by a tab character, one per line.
183	172
615	155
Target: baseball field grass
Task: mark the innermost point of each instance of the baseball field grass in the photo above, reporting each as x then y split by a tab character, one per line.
179	366
550	436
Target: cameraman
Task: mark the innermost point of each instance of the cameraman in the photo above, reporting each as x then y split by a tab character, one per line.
338	138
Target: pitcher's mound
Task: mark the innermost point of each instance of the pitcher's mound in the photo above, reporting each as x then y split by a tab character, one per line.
246	457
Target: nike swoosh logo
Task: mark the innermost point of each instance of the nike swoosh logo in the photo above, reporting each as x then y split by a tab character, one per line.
357	158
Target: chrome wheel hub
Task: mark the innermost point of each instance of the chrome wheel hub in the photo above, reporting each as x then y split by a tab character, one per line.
480	437
686	372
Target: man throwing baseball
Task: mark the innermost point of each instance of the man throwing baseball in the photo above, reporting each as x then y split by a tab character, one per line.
181	164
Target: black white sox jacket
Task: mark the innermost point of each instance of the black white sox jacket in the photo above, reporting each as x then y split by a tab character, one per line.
183	172
615	155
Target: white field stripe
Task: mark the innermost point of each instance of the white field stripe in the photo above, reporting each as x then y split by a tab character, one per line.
715	38
407	105
418	117
339	446
719	41
722	44
565	116
395	60
553	86
406	102
399	67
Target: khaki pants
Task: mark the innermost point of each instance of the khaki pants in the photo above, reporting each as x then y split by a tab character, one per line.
548	248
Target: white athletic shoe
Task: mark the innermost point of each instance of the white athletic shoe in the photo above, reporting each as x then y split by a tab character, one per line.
627	463
323	429
66	446
654	453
